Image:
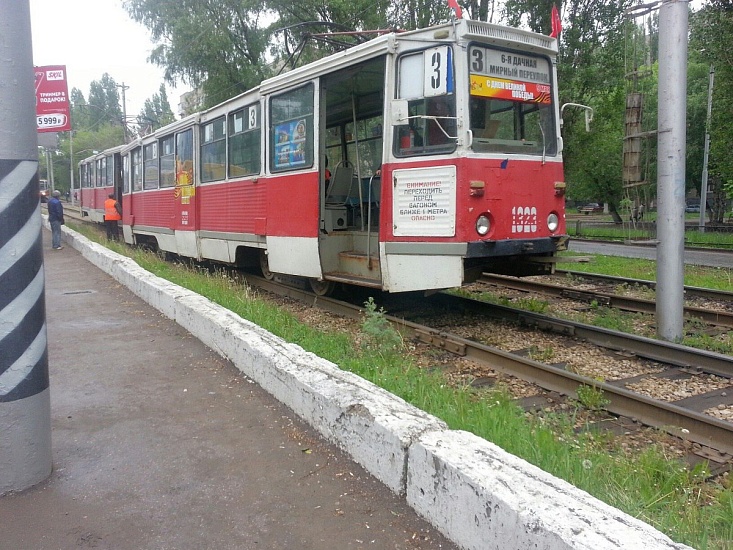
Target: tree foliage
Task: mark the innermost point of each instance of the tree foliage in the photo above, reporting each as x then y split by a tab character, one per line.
710	37
156	113
217	45
104	98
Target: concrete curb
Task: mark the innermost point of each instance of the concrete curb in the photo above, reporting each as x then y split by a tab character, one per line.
472	491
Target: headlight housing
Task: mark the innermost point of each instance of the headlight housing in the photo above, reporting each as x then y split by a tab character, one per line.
553	222
483	225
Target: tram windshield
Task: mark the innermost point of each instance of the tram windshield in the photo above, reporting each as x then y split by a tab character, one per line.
511	103
426	81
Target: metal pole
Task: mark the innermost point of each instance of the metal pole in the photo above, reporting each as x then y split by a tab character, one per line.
71	167
704	186
671	168
25	404
124	109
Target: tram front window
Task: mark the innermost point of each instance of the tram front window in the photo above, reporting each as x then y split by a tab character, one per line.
511	103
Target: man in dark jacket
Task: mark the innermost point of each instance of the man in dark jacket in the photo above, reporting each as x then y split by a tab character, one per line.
56	219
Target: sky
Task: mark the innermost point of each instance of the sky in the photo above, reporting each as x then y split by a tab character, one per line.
93	37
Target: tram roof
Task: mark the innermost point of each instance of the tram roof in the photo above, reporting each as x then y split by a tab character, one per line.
101	154
460	31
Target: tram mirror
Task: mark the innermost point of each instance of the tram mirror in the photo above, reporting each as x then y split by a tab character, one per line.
399	112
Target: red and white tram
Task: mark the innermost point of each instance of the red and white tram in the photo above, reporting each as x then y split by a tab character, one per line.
414	161
99	175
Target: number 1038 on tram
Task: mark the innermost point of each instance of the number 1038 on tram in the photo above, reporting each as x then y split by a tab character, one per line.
415	161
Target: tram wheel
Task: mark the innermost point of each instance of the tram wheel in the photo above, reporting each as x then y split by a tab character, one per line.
265	266
322	287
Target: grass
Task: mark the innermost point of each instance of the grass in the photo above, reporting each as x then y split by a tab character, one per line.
605	228
652	487
718	278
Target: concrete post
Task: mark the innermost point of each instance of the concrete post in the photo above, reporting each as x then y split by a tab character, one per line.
25	408
671	168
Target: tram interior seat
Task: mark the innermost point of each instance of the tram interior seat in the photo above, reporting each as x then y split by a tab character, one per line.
342	181
488	131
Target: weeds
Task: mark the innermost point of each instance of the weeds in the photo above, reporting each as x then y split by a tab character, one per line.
592	397
378	334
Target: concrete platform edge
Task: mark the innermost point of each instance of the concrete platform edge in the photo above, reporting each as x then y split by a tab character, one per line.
472	491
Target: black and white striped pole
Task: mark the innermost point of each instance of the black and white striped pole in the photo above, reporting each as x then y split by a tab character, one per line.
25	405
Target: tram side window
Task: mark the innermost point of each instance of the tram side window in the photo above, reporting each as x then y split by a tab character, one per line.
244	141
110	171
167	162
213	150
137	169
291	120
369	137
101	172
184	158
88	175
150	160
426	80
125	174
84	175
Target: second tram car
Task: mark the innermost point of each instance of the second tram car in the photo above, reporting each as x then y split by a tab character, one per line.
414	161
99	176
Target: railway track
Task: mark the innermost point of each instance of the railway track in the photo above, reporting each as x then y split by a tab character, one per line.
713	437
715	317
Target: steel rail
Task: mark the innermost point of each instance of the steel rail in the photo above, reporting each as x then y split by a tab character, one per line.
625	303
648	348
696	291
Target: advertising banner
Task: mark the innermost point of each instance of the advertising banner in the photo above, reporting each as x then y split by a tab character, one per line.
52	99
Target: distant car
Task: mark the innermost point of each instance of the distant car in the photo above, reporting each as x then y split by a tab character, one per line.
692	206
591	208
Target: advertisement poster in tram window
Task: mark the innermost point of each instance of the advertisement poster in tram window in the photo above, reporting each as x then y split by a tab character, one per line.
290	144
510	76
52	99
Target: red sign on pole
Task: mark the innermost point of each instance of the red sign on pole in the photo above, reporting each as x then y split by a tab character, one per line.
52	99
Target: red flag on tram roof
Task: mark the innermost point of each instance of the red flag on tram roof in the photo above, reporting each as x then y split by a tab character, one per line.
556	23
453	4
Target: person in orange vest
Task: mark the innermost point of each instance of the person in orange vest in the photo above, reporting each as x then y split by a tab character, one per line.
112	214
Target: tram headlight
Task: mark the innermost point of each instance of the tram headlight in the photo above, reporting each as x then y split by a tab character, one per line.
483	225
553	222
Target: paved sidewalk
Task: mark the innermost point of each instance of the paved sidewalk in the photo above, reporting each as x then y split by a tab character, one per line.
159	443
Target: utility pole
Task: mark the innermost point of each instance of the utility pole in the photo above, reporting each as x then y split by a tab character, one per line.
71	167
671	130
25	404
704	186
124	108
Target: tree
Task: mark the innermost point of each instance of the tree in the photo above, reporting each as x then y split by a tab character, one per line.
218	45
156	112
104	98
711	33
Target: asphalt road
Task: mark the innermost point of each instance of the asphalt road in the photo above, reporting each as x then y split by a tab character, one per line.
696	256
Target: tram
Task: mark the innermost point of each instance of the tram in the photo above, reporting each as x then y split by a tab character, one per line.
99	175
414	161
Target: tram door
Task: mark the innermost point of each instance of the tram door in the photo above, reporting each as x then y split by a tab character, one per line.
352	122
185	206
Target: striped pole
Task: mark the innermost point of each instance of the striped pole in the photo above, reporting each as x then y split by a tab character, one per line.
25	407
